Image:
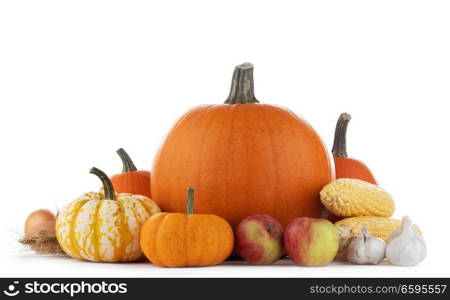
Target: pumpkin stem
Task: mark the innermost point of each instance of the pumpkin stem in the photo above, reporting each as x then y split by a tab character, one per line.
242	87
128	165
340	136
107	184
190	202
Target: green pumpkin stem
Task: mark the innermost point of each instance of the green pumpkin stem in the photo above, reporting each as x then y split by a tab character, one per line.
242	87
190	202
128	165
340	136
107	184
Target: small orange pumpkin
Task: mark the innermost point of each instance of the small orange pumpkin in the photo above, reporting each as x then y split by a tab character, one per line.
131	180
186	240
348	167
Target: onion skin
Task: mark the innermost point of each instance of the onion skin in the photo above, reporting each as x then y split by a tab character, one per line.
40	220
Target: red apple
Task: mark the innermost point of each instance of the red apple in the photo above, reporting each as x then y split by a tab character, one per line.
259	239
311	242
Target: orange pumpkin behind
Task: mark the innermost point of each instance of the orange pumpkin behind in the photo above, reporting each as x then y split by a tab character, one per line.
244	158
131	180
348	167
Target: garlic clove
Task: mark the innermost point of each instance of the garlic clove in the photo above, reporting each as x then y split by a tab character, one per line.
376	251
399	231
356	251
406	247
366	249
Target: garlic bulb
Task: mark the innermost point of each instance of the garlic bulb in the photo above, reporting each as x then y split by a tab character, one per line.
405	246
366	249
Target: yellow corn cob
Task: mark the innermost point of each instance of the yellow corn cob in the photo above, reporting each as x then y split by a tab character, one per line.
377	226
353	198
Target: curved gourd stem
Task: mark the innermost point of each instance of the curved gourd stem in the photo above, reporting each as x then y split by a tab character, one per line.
128	165
190	202
340	136
107	184
242	86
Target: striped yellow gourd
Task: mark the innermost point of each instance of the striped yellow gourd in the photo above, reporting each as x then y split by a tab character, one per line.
104	226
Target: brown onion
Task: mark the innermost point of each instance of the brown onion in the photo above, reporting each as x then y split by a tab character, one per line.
40	220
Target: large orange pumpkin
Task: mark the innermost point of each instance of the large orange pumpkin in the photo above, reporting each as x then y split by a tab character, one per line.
244	158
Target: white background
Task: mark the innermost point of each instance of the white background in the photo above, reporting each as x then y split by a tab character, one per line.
78	79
